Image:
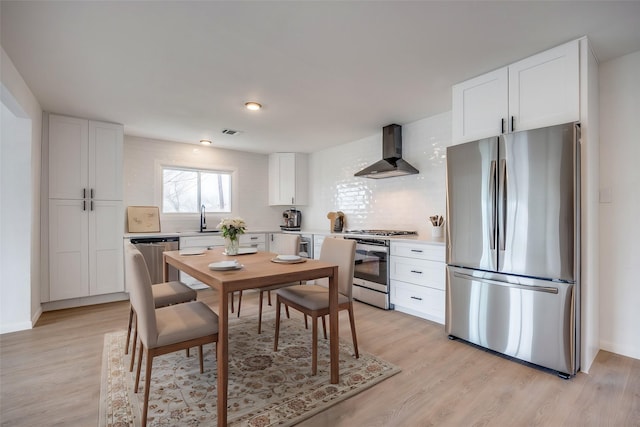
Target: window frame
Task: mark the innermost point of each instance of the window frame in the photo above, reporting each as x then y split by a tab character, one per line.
199	169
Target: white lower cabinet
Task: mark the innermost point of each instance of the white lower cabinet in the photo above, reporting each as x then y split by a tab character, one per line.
254	240
85	248
418	279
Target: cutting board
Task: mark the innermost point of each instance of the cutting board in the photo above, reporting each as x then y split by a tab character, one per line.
143	219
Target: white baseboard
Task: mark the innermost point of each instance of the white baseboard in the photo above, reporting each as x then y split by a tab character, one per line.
80	302
622	350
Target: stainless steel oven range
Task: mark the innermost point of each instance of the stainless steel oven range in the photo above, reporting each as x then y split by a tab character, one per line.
371	272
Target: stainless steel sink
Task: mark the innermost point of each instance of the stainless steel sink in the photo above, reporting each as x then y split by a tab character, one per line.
213	231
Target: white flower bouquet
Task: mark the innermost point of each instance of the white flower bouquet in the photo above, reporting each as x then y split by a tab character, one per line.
231	227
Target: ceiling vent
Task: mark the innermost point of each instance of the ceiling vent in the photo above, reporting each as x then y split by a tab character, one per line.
230	132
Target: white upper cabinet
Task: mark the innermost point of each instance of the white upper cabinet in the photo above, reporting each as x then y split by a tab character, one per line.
544	89
105	160
539	91
480	105
288	179
68	157
84	156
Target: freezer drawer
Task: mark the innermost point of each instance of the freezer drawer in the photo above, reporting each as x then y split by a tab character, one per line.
529	319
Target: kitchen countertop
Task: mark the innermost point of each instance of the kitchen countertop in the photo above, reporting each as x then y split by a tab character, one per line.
188	233
418	238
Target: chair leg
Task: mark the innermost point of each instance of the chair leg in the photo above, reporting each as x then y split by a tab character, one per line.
275	341
259	312
232	296
126	348
314	345
239	302
135	344
201	360
286	308
142	349
269	297
186	350
324	327
306	325
353	330
147	383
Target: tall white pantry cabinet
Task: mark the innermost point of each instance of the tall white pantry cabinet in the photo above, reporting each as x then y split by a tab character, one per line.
85	208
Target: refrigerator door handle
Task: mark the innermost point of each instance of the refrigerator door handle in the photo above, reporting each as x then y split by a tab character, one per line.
545	289
503	203
492	198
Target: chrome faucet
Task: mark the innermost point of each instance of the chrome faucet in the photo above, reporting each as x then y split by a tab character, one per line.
203	218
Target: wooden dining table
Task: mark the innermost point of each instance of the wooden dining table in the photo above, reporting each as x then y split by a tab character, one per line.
258	270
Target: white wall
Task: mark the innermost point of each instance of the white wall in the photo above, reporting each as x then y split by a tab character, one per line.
403	203
620	205
143	157
20	207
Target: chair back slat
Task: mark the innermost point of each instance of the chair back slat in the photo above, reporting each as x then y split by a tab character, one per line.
343	253
285	244
139	285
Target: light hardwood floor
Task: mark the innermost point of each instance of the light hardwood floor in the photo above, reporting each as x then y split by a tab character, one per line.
50	376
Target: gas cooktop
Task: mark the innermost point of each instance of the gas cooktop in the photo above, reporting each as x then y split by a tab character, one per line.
382	232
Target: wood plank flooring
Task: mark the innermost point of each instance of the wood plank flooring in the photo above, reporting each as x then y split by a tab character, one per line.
50	376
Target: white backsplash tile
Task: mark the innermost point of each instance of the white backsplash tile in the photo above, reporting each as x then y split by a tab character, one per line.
396	203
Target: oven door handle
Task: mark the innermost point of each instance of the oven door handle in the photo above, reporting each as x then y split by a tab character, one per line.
371	248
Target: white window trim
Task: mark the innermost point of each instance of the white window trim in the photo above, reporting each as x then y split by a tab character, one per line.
157	190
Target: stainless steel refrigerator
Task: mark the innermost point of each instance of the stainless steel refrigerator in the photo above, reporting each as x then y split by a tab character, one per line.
513	244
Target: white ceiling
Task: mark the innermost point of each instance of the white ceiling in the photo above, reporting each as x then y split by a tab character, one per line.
327	72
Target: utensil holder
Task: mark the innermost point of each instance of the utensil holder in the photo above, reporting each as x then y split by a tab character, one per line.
437	231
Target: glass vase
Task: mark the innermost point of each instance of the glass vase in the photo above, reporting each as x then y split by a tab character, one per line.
231	246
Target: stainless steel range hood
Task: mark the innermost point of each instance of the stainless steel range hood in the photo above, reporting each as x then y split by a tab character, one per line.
391	164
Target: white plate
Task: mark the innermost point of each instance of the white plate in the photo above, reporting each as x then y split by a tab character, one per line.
243	251
192	251
288	257
295	261
225	265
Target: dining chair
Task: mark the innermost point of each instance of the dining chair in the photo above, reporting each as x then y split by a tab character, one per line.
166	329
313	300
282	244
164	294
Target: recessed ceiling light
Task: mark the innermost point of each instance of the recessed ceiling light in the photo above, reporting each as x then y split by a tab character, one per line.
253	106
206	142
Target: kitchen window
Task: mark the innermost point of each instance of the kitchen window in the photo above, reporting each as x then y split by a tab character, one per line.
185	190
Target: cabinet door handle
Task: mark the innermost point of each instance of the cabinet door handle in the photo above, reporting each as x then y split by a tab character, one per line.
254	238
84	193
417	298
417	250
92	193
84	205
92	205
513	123
292	201
502	125
416	271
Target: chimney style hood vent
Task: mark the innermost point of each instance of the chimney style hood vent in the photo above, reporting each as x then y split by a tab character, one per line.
391	164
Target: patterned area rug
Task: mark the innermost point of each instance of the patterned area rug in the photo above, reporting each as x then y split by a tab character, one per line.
266	388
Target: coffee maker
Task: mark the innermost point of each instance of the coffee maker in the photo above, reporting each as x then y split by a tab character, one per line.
292	220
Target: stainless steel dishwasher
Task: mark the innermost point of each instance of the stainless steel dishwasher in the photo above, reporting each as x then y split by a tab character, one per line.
152	249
